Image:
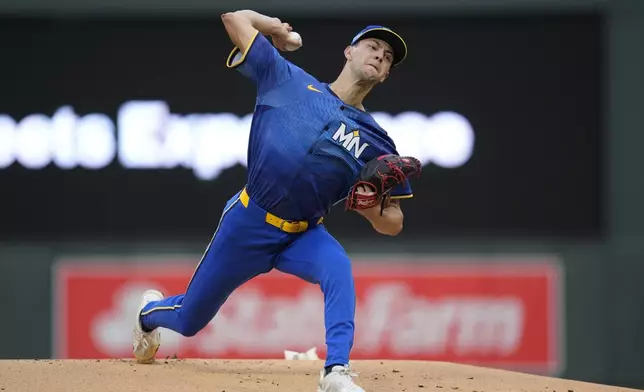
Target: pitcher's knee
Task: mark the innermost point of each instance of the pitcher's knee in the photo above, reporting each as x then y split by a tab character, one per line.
189	328
339	275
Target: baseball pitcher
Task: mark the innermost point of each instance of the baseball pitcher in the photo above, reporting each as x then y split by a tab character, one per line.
312	145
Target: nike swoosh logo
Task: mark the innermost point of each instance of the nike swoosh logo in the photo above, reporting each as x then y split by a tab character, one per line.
310	87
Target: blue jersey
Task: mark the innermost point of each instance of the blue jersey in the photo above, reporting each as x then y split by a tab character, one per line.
306	146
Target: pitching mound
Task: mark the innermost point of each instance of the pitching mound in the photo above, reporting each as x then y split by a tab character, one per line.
266	376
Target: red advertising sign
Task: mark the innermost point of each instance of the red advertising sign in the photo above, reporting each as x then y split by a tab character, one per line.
488	314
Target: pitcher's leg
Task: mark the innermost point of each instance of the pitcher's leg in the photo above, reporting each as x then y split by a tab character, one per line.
225	265
318	258
219	273
238	251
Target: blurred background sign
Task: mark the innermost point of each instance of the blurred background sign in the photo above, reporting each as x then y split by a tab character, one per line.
503	315
136	129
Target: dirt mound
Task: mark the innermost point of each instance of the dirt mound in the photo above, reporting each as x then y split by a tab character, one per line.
179	375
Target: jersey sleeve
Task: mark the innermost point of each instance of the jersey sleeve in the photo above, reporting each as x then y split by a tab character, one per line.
261	62
402	191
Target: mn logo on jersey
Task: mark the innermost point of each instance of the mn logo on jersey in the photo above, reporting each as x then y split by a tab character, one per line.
350	141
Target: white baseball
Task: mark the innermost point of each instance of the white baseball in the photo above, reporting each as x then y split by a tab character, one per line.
293	42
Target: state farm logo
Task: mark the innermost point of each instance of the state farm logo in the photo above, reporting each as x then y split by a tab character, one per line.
389	317
146	135
392	317
505	316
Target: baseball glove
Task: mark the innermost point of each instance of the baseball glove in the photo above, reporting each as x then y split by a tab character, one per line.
381	175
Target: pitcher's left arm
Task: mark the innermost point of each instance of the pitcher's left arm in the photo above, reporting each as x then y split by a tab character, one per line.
386	219
371	194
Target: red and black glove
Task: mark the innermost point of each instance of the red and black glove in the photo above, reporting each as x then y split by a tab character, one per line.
380	175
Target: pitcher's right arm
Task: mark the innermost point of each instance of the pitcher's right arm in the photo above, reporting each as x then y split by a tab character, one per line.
243	25
253	55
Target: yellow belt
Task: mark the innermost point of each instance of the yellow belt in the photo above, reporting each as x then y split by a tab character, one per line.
288	226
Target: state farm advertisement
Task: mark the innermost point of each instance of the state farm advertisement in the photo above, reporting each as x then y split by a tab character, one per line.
504	315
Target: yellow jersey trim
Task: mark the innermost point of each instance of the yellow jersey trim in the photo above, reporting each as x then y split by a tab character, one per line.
402	197
211	241
236	50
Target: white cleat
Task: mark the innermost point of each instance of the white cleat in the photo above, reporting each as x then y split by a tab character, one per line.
339	379
146	344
